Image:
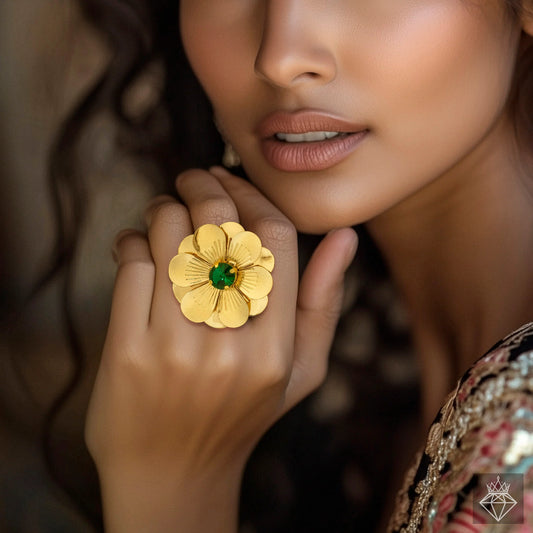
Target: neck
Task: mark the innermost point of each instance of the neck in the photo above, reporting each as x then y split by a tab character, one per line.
460	253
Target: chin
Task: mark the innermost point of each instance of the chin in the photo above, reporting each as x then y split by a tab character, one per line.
328	216
314	226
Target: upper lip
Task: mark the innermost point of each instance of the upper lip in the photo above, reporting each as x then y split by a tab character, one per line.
303	121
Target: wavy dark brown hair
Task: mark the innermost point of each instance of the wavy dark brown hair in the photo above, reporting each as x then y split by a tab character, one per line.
174	133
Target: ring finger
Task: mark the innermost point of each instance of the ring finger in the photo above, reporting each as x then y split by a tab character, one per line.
206	202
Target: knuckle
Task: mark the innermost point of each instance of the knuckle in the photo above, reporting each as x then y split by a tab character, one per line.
136	268
187	175
124	359
157	200
177	365
129	246
214	208
277	230
273	373
168	213
127	238
318	375
224	367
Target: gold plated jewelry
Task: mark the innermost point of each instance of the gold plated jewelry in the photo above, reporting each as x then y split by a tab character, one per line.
222	275
231	158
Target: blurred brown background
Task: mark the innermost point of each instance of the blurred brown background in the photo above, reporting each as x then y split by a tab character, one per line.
48	59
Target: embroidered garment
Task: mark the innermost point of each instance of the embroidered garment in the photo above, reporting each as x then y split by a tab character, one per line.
484	427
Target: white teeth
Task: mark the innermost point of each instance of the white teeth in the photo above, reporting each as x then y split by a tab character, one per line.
310	136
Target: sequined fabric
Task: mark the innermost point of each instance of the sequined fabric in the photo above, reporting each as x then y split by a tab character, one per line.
485	426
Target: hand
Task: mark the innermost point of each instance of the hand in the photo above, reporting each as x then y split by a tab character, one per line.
182	401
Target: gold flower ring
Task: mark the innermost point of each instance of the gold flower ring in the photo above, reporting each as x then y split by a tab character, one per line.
221	275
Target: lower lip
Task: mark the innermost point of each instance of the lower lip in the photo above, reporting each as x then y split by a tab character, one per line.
309	156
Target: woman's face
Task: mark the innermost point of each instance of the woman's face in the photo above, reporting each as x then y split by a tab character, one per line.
415	88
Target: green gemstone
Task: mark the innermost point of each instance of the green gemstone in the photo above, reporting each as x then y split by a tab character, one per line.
221	276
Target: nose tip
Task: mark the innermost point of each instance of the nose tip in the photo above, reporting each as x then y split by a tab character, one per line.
293	48
286	69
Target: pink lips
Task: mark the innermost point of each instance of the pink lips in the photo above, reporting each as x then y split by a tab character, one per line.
307	156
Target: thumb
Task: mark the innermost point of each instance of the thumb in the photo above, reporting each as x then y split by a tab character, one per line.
319	306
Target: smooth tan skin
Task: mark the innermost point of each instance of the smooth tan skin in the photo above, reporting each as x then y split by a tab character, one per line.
177	407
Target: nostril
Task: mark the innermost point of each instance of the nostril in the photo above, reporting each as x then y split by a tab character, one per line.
305	76
286	56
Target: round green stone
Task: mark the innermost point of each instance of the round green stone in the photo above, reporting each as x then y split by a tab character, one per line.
221	276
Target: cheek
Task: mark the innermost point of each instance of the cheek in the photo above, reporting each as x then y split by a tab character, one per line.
219	39
446	69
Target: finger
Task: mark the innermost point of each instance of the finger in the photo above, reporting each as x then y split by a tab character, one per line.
319	306
154	204
206	199
277	234
254	207
134	283
169	224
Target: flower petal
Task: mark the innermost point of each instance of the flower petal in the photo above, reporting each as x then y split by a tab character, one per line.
232	308
266	259
244	248
256	282
187	245
231	228
214	321
180	292
187	270
198	304
258	306
210	241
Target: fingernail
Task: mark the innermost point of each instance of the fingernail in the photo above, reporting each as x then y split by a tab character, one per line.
349	233
352	251
114	251
114	247
152	204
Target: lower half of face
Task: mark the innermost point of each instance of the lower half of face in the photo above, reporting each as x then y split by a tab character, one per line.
424	81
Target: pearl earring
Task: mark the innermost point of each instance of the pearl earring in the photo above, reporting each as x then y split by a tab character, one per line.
231	158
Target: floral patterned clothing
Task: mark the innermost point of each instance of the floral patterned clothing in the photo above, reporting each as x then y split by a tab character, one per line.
484	427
